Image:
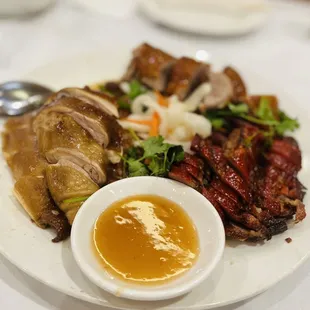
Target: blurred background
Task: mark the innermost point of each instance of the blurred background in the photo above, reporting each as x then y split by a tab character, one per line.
272	33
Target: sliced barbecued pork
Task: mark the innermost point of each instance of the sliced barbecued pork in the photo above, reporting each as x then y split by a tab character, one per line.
68	181
221	92
241	150
288	148
62	138
240	233
180	174
151	66
186	75
214	155
232	209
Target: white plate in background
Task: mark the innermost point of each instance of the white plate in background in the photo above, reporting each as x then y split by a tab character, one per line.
205	19
245	270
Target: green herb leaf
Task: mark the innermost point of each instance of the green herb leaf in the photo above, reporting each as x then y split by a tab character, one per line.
135	89
154	145
104	90
158	166
258	121
136	168
176	153
264	110
218	123
123	104
157	157
286	124
238	109
77	199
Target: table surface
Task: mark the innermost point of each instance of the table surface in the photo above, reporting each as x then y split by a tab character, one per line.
280	51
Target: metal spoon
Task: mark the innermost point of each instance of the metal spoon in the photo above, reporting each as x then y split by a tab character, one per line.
17	98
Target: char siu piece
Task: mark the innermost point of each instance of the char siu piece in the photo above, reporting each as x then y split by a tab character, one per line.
151	66
186	75
254	194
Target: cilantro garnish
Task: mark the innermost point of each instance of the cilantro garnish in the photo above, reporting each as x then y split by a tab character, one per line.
262	116
156	159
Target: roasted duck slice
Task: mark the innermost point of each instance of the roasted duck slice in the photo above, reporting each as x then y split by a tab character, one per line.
28	162
98	100
186	75
62	138
101	126
151	66
67	181
239	88
240	233
221	92
33	195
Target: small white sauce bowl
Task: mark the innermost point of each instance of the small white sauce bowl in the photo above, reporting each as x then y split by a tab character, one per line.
207	221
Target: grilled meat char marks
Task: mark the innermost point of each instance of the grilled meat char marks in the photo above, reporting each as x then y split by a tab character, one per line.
253	194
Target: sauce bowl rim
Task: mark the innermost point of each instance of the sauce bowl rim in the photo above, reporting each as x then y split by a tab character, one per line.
144	294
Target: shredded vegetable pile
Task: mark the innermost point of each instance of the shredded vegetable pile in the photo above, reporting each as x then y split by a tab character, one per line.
152	114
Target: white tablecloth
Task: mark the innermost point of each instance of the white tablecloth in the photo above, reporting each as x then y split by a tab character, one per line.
280	51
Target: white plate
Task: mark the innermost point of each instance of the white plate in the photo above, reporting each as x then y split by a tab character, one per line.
204	21
244	271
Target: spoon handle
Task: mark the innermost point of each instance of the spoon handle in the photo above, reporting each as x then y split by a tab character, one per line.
2	112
